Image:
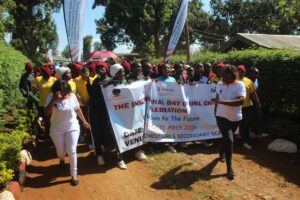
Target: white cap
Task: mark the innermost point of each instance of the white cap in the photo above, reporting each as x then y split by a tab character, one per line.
61	70
114	69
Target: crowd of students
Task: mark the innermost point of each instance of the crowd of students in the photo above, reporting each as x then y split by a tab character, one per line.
71	105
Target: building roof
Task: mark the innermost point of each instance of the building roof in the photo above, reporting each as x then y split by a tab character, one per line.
263	40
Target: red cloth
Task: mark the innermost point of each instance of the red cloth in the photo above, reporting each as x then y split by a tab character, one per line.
75	68
221	64
46	72
28	66
126	65
102	64
211	75
241	68
92	67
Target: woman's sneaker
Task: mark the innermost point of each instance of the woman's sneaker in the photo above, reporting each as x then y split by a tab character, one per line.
122	165
140	155
172	149
247	146
100	160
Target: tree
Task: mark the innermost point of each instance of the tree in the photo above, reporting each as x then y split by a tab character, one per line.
143	22
87	46
255	16
146	23
98	46
34	28
66	52
6	21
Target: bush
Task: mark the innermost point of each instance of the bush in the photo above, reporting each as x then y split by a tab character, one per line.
284	128
279	69
10	147
5	175
11	69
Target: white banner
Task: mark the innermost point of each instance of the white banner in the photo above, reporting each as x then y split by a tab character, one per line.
160	112
177	113
126	109
74	14
177	29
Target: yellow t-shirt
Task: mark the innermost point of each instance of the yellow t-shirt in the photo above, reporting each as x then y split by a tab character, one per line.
44	88
73	86
82	90
215	80
250	88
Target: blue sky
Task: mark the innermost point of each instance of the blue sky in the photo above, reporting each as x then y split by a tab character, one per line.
89	27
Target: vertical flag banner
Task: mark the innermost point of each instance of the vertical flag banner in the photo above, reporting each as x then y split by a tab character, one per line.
74	14
177	29
50	55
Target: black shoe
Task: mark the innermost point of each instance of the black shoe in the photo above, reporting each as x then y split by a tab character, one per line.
74	182
230	174
222	158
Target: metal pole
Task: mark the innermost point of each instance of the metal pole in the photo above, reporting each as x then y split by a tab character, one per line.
187	41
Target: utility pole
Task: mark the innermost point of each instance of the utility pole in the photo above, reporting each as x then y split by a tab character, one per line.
187	41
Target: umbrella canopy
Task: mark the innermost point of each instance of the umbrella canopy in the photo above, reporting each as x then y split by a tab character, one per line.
96	55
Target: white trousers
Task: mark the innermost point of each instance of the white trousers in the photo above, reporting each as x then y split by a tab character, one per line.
67	143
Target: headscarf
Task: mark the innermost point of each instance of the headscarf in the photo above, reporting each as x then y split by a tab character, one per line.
126	65
241	68
46	72
102	64
61	71
92	67
28	66
114	69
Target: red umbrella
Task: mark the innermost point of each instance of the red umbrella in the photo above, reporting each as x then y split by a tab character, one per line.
95	55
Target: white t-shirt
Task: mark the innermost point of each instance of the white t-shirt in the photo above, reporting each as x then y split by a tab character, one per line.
64	118
228	93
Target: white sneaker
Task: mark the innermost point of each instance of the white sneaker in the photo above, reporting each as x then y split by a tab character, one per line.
140	155
91	147
206	144
183	145
122	165
247	146
100	160
263	135
172	149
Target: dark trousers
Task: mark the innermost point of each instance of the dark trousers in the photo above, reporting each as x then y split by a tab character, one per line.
83	131
46	119
257	120
227	129
245	126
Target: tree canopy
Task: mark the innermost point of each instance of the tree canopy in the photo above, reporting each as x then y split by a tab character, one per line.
33	29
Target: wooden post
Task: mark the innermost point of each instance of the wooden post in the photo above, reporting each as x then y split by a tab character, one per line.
187	41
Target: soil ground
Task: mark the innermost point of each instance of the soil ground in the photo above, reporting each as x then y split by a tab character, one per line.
192	173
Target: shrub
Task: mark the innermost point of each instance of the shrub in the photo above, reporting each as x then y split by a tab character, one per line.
11	69
10	147
279	74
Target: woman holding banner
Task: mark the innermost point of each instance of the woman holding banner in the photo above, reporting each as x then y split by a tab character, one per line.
228	109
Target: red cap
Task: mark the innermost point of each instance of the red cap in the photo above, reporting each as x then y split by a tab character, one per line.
92	66
102	64
126	65
28	66
75	68
221	64
241	68
46	72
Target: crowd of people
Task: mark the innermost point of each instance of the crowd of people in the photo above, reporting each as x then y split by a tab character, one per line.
72	109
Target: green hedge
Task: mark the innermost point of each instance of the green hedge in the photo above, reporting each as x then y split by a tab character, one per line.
11	69
280	75
10	147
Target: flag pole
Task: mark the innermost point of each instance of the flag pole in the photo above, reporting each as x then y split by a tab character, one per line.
187	41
